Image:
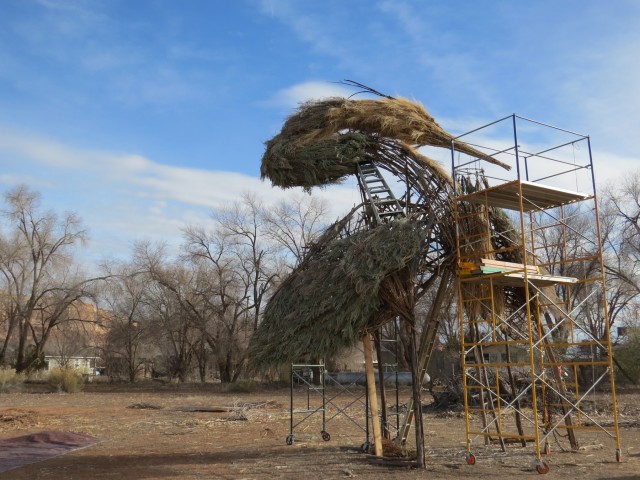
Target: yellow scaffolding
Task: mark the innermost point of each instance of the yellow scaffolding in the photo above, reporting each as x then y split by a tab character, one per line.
534	322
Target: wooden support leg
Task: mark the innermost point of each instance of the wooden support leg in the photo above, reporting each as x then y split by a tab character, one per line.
373	397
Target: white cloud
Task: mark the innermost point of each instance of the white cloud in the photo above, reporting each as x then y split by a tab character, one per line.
325	29
292	96
310	28
123	197
609	95
612	167
408	18
45	151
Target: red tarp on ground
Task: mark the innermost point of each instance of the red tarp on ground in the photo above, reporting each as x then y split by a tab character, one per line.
19	451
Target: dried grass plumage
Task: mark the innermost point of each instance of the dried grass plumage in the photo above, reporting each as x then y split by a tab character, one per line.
400	119
324	305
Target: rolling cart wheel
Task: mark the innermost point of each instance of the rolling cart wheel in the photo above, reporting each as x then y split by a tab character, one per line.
289	439
365	447
471	458
542	467
547	449
618	455
325	436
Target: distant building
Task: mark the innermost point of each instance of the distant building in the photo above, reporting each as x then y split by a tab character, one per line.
85	365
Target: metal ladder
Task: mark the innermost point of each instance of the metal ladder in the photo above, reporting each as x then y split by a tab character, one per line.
384	207
376	192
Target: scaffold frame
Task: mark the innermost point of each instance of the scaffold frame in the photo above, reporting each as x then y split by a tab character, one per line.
333	397
525	286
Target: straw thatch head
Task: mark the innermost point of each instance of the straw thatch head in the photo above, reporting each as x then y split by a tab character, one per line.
312	134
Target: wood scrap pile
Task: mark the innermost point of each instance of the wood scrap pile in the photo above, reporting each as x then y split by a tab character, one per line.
488	266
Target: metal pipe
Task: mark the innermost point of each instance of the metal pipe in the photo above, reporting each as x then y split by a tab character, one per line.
480	128
515	143
551	126
558	174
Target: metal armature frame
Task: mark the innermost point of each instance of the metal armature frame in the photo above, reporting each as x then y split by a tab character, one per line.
526	349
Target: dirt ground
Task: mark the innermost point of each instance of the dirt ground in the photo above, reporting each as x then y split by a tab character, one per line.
177	442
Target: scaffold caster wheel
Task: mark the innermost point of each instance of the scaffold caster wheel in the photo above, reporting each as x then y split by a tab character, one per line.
325	436
542	467
547	449
365	447
471	458
618	455
289	439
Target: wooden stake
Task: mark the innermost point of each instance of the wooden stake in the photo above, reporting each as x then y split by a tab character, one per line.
373	397
384	418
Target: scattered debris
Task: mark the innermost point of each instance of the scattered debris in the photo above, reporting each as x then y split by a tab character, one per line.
391	449
145	406
204	409
242	411
15	417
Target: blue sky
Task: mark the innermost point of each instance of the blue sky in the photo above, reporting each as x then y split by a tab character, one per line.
144	115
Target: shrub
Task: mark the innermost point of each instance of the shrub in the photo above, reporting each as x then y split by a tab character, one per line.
10	380
37	376
242	386
627	357
65	380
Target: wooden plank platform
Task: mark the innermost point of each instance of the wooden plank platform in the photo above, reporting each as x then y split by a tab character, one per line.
489	262
516	279
534	196
488	266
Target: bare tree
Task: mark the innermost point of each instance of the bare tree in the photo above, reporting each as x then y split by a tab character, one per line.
575	239
567	245
38	274
241	226
176	305
295	223
227	294
126	316
243	265
621	207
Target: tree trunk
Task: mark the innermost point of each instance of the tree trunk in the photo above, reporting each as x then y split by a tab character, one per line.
225	372
316	374
7	339
202	371
182	374
22	344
